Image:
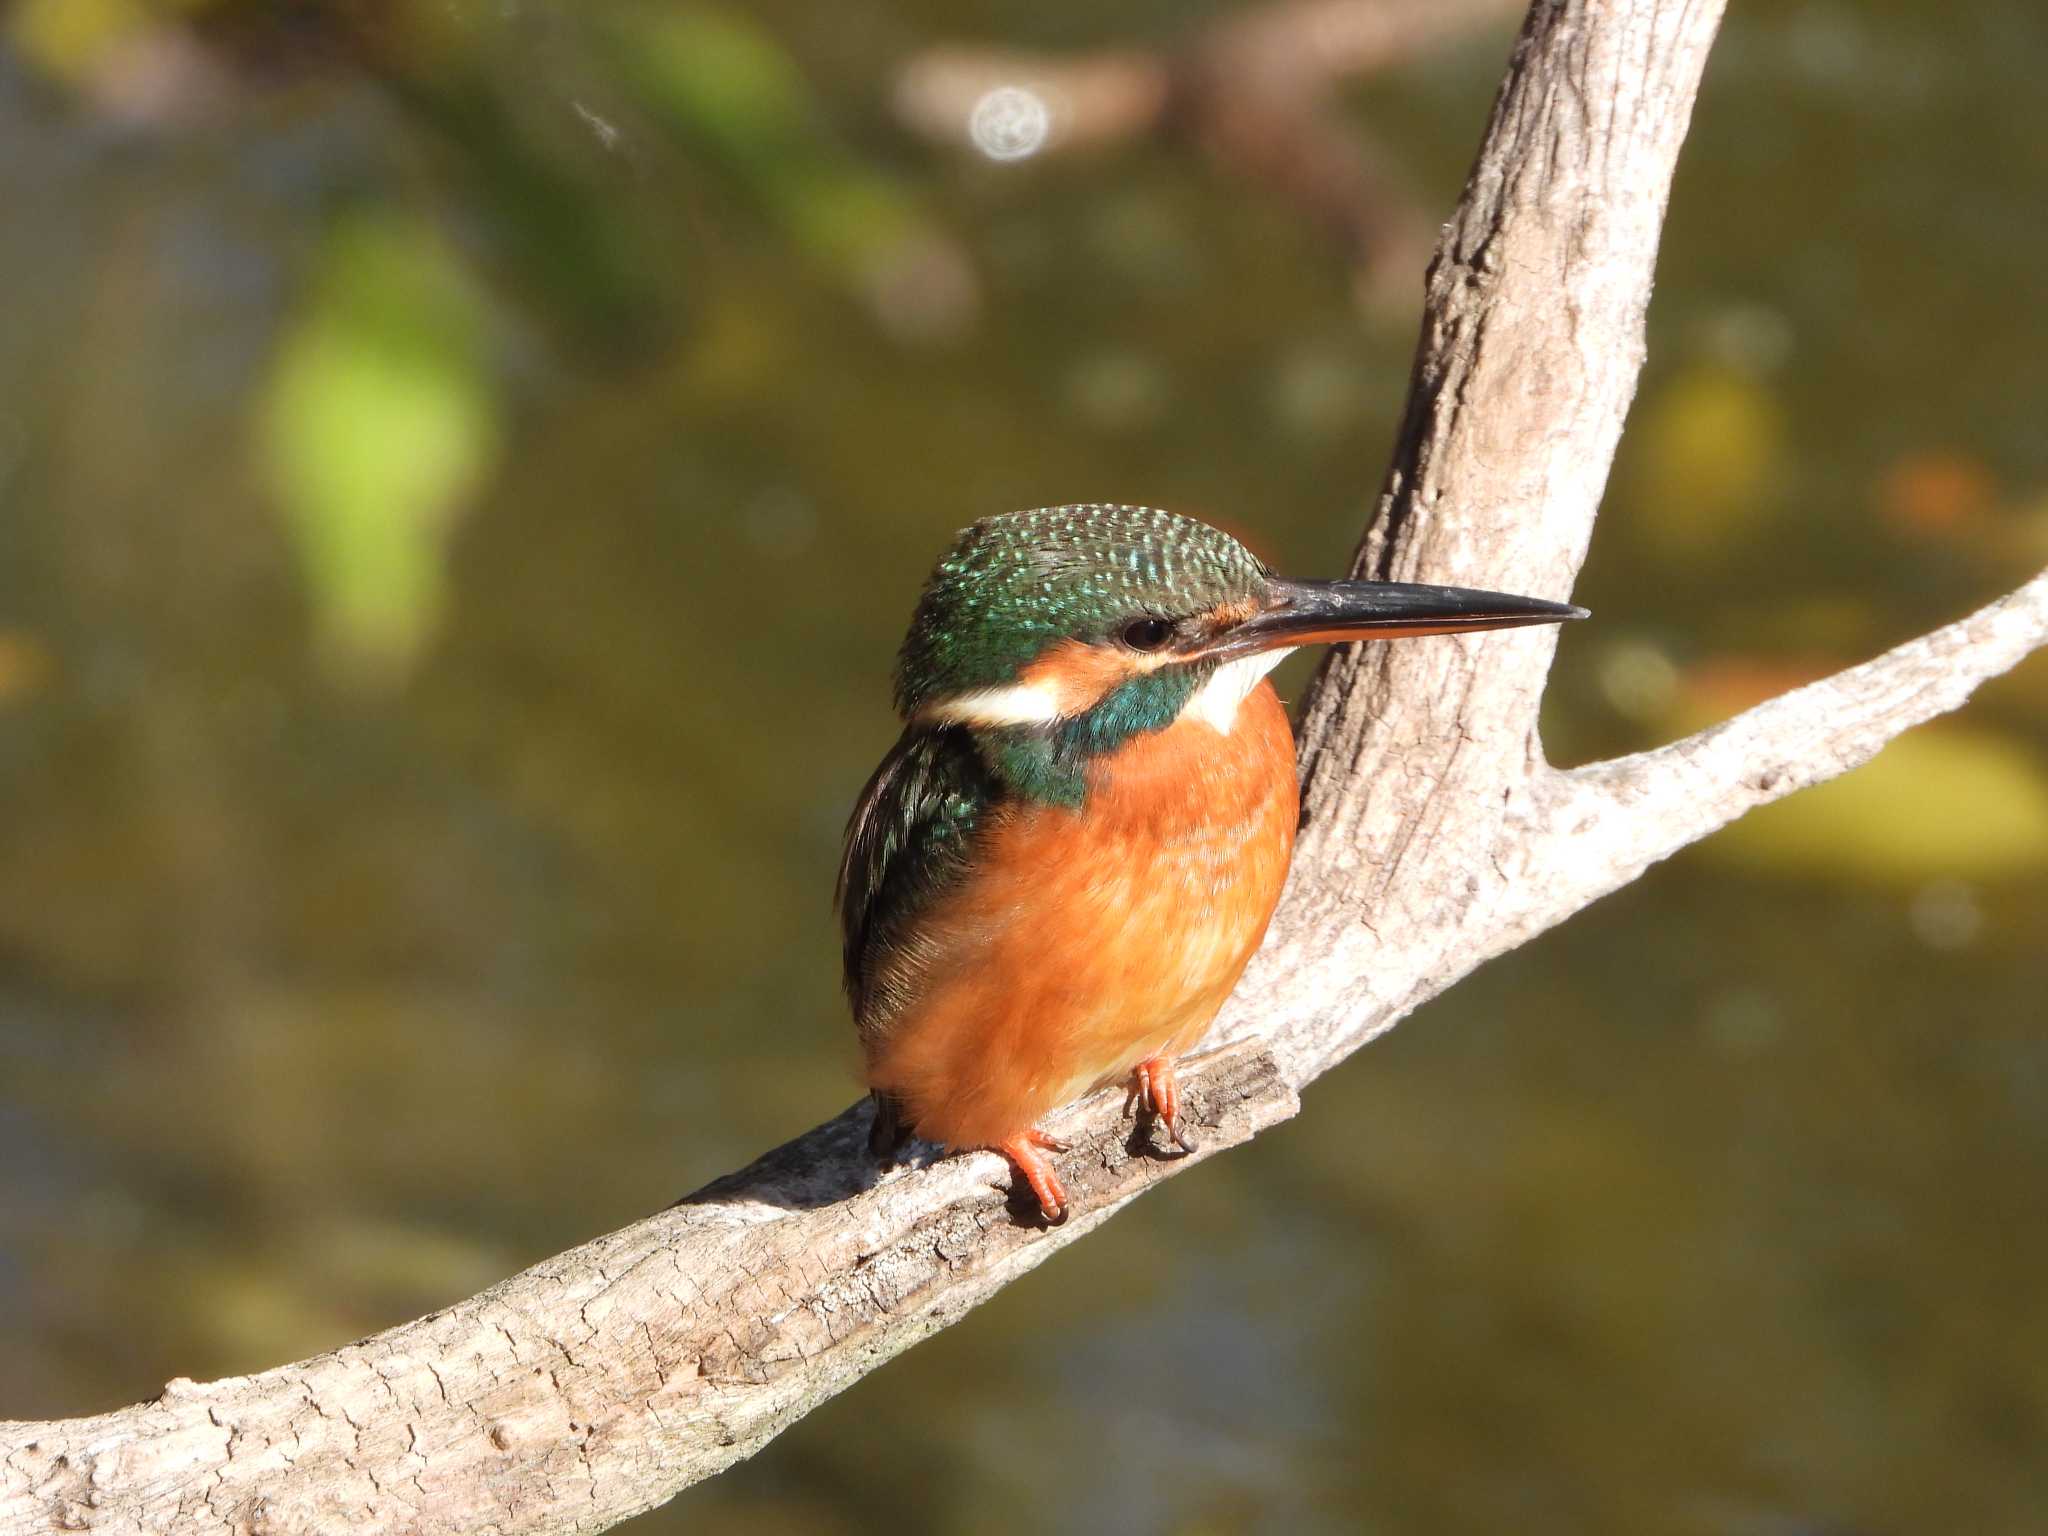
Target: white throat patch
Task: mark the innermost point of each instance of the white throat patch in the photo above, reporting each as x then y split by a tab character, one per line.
1215	703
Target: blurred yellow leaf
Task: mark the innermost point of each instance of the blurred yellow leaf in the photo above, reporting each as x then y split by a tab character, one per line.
67	39
1942	800
379	422
70	40
1712	444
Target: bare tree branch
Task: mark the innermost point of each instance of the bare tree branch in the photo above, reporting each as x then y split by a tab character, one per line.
1613	820
1294	46
601	1382
1253	91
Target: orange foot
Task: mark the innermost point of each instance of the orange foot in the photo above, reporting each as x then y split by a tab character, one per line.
1156	1092
1034	1168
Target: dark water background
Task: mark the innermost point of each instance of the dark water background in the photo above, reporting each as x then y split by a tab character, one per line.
463	471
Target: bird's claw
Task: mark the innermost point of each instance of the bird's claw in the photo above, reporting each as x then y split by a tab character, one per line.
1155	1092
1026	1152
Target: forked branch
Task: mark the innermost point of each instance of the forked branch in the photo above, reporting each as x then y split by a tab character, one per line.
603	1381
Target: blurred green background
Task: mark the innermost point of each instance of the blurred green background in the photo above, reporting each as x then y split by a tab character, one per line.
464	469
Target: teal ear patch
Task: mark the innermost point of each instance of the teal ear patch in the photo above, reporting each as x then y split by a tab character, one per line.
1049	765
1150	702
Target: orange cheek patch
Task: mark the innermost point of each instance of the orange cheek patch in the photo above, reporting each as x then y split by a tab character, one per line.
1080	676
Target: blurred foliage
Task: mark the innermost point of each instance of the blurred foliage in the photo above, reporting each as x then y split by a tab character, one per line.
1950	801
1710	459
24	667
720	79
71	38
601	378
380	424
1947	800
733	95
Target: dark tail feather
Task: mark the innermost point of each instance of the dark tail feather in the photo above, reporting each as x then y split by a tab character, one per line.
889	1132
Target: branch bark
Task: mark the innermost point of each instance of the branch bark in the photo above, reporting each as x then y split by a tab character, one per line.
603	1381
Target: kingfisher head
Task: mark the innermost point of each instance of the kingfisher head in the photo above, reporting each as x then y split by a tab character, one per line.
1057	634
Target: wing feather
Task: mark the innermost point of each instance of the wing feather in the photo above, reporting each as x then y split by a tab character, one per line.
911	838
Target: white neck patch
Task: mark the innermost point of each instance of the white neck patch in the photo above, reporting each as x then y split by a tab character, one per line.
1016	704
1215	702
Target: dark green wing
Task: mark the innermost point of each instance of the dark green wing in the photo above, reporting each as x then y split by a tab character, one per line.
910	837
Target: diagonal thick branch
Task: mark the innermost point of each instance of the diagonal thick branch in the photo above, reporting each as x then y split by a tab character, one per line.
603	1381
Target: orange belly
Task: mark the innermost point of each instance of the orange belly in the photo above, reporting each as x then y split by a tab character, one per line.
1089	940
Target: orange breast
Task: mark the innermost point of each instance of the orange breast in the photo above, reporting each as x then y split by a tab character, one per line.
1089	940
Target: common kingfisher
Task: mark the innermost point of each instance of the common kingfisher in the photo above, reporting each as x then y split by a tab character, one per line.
1059	871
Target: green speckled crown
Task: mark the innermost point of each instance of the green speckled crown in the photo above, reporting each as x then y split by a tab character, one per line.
1013	584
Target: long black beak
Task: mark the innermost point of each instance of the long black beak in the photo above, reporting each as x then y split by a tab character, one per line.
1310	612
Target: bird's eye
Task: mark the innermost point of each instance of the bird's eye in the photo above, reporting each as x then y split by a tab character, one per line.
1147	634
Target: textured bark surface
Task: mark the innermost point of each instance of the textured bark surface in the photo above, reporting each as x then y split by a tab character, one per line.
597	1384
603	1381
1421	765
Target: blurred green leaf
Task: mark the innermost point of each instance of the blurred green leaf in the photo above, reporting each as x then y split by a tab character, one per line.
721	80
727	76
378	424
